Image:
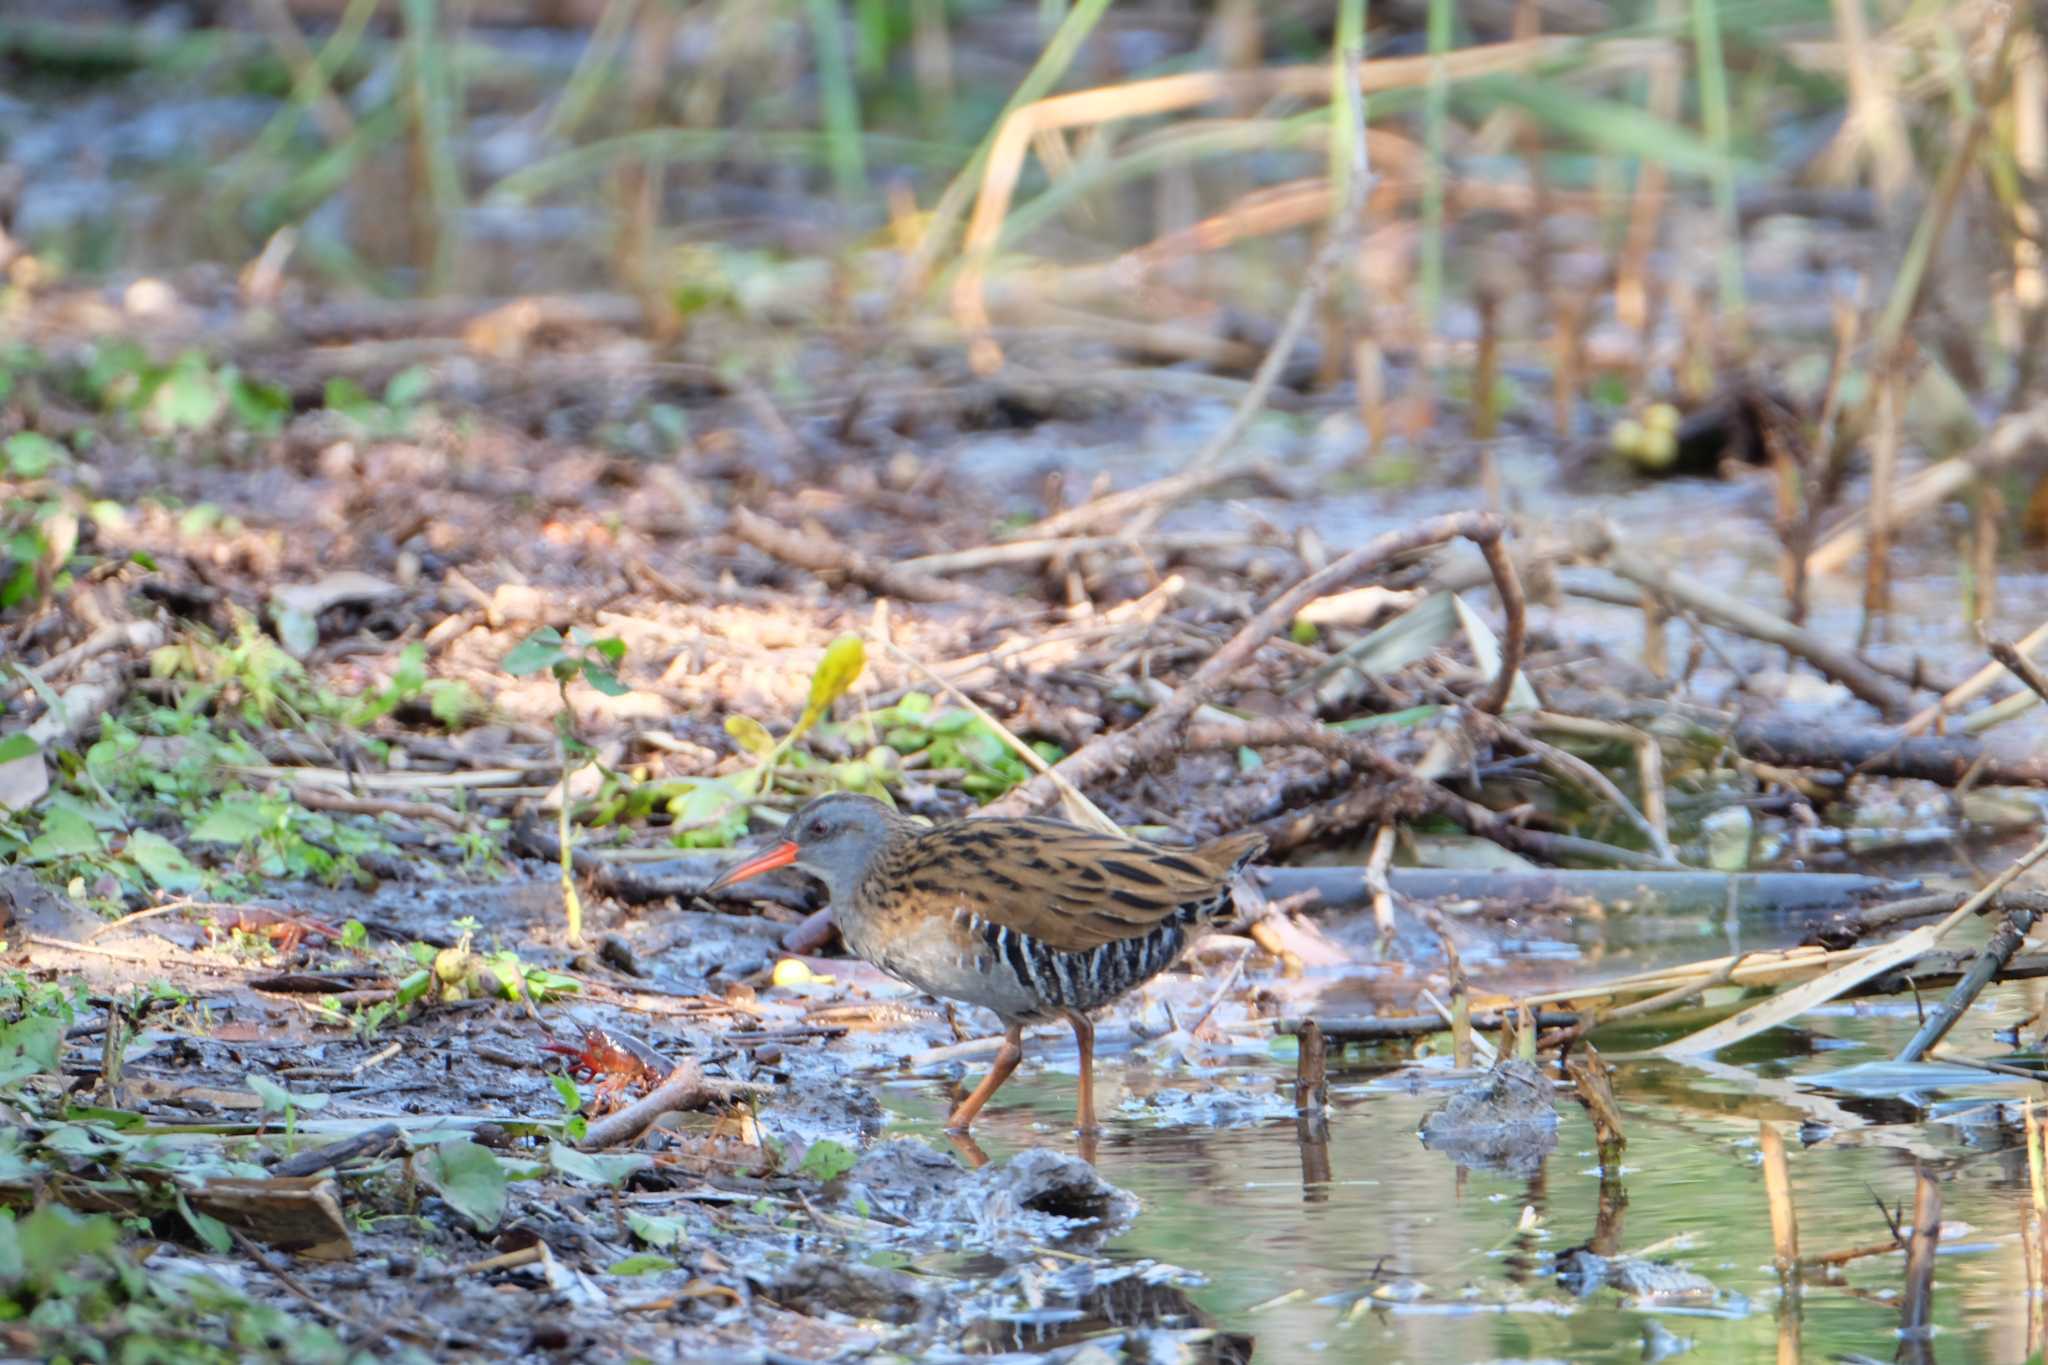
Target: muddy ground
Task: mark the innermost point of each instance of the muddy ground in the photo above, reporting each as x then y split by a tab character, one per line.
319	610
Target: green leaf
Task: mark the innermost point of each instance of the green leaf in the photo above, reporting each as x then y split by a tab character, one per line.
231	822
276	1099
30	1046
586	1168
826	1160
643	1264
604	680
162	862
451	702
537	652
347	397
297	631
408	386
189	399
567	1093
30	454
261	408
66	834
660	1233
53	1239
470	1179
711	813
1610	125
750	734
209	1229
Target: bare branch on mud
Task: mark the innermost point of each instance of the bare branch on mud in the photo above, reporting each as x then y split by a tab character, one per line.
1152	736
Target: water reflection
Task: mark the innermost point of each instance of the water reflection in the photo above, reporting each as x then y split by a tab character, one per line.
1346	1240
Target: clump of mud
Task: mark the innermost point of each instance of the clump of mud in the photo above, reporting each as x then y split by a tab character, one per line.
1506	1121
1034	1199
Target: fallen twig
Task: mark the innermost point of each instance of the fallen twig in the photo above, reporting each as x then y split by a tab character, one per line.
820	554
326	798
1576	770
1873	751
1975	685
1732	613
1142	742
372	1332
686	1088
2019	665
1375	1028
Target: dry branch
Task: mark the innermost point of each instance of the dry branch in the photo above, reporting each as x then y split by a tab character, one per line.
1158	731
686	1088
820	554
2014	437
1778	1189
1732	613
1875	752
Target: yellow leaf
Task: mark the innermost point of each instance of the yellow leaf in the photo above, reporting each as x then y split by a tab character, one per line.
749	734
842	664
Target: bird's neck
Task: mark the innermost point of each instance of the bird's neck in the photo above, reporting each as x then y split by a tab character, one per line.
857	913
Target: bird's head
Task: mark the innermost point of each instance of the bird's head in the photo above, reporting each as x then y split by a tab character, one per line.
833	838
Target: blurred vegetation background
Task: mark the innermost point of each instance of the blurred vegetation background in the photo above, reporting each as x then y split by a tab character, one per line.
1594	186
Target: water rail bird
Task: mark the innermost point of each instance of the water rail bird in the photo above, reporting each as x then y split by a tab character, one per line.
1034	919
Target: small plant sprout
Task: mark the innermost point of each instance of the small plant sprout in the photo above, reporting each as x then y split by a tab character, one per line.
596	662
841	667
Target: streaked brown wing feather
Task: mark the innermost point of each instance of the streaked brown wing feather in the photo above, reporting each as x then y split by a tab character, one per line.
1067	887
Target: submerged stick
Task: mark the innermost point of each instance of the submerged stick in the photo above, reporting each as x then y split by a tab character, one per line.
1989	962
1778	1190
1860	965
1378	1028
1916	1307
1311	1084
1647	892
2033	1224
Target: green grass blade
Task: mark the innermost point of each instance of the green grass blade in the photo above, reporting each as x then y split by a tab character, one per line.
839	102
1713	78
1435	123
1059	54
1612	126
433	94
1350	40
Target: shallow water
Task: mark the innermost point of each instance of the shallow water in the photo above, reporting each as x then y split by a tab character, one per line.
1474	1251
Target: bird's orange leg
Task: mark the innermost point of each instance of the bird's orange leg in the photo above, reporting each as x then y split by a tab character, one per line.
1007	1057
1084	1039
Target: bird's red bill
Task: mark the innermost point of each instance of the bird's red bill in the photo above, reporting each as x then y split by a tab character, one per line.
782	855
